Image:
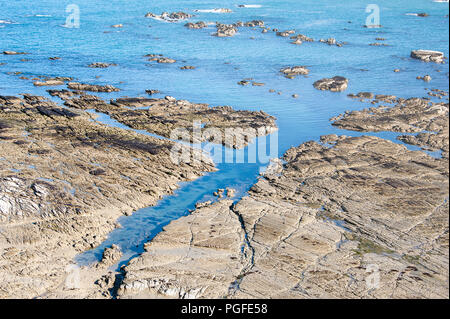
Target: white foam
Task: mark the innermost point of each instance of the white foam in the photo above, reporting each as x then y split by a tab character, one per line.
250	6
221	10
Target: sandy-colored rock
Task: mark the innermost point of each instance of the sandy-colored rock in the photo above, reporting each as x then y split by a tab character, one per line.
427	120
62	189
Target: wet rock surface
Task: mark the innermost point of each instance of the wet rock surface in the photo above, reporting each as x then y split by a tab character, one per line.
62	189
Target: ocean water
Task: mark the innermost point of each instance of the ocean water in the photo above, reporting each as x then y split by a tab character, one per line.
37	27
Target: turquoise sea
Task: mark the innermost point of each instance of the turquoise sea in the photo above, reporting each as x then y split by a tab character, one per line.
37	27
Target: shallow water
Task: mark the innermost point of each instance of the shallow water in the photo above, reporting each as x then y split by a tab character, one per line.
221	63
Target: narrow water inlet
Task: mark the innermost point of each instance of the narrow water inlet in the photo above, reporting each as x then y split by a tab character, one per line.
146	223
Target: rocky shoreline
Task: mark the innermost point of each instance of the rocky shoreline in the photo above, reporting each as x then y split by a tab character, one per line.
62	187
315	227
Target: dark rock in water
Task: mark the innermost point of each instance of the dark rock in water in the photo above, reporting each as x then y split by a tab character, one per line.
151	92
160	58
362	95
244	82
132	101
48	83
258	84
332	41
170	17
426	78
428	56
302	38
225	30
196	25
335	84
254	23
187	67
101	65
165	60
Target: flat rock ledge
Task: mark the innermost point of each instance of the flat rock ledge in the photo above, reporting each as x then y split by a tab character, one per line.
428	56
425	122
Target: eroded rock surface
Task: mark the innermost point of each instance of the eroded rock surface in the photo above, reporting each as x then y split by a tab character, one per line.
163	116
64	180
338	213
